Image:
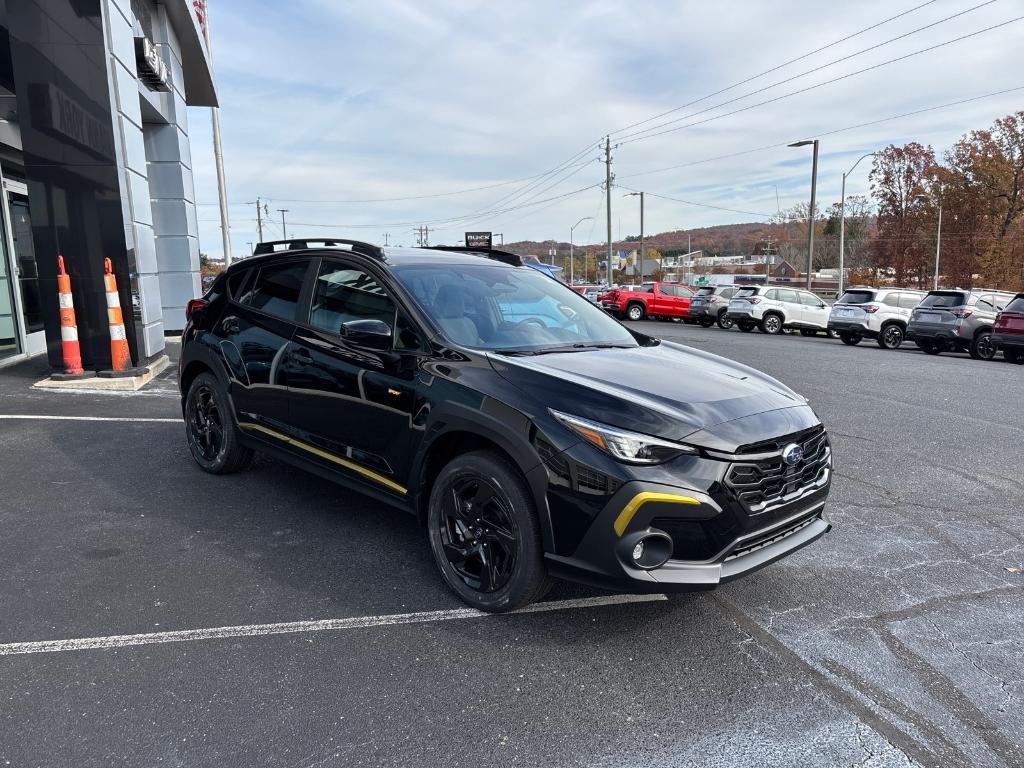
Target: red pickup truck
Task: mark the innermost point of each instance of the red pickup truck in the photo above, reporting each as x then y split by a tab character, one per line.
655	300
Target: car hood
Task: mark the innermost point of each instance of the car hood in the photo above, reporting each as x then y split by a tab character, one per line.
666	390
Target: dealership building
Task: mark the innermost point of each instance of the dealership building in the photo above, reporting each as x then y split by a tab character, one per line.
95	164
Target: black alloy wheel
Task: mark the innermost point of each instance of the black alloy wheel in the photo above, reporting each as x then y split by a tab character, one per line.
982	347
484	533
851	339
210	430
725	323
930	347
771	324
891	336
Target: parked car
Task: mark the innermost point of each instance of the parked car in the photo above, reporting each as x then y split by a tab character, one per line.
532	435
773	309
958	320
710	304
881	314
589	292
651	300
1008	331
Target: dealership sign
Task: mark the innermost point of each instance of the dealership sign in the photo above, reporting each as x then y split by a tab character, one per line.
151	68
478	240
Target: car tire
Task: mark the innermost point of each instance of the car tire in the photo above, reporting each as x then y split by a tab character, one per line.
706	323
852	339
808	332
891	337
1013	356
724	322
213	437
485	535
635	312
930	347
745	326
982	347
771	324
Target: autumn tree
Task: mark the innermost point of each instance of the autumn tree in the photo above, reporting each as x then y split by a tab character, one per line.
900	180
859	220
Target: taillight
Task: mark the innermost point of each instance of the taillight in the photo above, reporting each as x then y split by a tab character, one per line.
194	305
712	299
755	299
962	312
869	308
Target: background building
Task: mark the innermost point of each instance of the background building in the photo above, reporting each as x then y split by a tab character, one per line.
94	164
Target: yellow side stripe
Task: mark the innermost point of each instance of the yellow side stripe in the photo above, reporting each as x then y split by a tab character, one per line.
627	513
368	473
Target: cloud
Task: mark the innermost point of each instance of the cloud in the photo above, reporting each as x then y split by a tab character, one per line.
339	101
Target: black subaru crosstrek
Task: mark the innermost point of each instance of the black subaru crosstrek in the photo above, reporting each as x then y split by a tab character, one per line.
534	436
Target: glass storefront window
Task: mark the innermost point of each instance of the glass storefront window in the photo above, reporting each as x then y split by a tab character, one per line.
8	322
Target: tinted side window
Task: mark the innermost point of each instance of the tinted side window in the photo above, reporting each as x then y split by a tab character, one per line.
891	299
1017	305
277	288
809	300
236	282
343	293
909	300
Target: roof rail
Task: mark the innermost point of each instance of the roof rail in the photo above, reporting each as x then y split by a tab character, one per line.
305	243
491	253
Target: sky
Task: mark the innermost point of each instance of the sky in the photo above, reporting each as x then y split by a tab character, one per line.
465	104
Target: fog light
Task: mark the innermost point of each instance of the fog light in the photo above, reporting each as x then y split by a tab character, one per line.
638	551
645	550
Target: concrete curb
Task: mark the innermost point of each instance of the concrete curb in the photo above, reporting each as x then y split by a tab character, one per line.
125	383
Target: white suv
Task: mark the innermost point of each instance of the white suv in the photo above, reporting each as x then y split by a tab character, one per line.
772	309
881	314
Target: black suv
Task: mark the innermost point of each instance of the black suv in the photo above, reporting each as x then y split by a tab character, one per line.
531	434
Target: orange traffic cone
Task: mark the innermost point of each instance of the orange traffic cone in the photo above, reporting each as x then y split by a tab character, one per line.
120	358
72	353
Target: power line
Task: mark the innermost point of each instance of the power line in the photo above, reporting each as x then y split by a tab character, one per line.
703	205
825	133
826	82
774	69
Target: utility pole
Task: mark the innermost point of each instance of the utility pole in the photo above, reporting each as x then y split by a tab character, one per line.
218	156
259	220
386	235
284	229
608	194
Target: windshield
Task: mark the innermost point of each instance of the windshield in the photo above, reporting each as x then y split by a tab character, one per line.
744	292
951	299
856	297
495	307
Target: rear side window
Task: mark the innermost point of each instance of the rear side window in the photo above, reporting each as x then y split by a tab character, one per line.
706	292
891	299
788	296
986	303
945	299
727	293
236	282
277	288
746	292
856	297
1017	305
909	300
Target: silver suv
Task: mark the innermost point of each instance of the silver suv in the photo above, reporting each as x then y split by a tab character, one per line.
958	320
709	305
881	314
772	309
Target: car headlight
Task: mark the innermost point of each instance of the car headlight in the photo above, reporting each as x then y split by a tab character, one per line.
629	447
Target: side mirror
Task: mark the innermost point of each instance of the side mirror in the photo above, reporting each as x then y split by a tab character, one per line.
367	334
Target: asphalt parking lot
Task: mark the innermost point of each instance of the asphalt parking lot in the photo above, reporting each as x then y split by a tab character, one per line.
895	640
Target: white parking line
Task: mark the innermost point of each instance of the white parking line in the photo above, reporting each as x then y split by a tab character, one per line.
255	630
34	417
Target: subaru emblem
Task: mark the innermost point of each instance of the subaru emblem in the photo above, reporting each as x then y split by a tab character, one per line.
792	454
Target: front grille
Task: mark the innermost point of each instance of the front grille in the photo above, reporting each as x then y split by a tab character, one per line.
770	537
769	483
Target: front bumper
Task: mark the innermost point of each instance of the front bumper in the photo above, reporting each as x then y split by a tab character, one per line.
720	529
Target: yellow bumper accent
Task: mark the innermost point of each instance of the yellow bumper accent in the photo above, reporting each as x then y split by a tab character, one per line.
367	473
622	521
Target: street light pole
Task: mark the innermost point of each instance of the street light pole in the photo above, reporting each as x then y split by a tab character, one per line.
810	213
938	243
284	229
842	221
572	263
641	196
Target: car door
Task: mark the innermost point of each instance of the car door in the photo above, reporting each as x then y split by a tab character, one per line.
667	301
254	334
788	303
352	406
813	311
